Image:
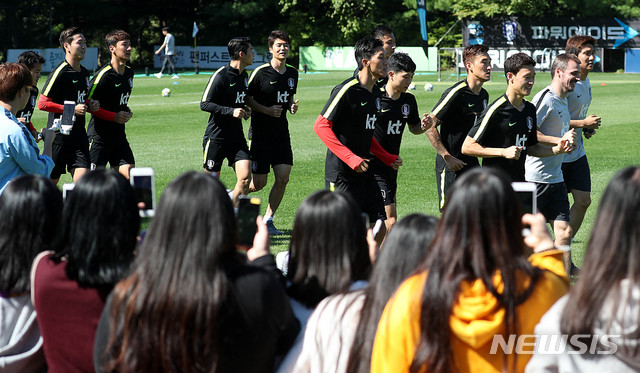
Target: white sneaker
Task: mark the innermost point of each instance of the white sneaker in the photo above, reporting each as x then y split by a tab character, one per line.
158	75
175	76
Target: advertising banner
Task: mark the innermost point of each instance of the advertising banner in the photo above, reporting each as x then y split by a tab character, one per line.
342	58
53	57
528	33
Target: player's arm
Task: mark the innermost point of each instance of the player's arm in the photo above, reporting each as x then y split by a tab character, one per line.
46	104
565	145
323	127
453	163
592	122
211	93
475	149
383	155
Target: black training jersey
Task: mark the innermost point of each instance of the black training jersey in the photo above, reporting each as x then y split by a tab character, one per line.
27	112
113	91
226	91
394	115
353	110
378	85
67	84
501	125
268	87
457	111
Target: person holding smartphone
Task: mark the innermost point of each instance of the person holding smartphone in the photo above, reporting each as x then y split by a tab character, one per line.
69	82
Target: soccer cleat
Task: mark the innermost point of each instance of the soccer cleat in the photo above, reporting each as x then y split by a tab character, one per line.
175	76
158	75
272	228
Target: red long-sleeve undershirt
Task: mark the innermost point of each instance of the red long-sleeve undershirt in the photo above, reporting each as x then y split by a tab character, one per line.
323	128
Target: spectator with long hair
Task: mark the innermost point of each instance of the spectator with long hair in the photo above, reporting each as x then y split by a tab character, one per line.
329	254
596	327
191	302
477	284
30	209
92	252
340	332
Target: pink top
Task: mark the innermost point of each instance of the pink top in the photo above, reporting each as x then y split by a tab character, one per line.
68	315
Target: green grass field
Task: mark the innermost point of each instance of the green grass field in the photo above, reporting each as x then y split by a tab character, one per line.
166	134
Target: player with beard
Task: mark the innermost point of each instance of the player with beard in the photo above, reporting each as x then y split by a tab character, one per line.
553	119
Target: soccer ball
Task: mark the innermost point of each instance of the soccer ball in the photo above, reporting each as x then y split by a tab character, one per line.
412	87
166	92
428	87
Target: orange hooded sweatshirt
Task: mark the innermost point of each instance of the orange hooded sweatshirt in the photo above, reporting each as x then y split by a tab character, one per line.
475	319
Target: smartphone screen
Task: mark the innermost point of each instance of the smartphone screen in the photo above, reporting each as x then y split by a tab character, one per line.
67	189
248	211
67	113
142	180
526	193
142	184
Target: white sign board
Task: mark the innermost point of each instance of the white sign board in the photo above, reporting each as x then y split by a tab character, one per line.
53	57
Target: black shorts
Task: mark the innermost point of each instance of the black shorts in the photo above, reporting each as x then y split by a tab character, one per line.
267	153
115	155
445	179
577	175
366	194
216	152
70	153
388	185
552	201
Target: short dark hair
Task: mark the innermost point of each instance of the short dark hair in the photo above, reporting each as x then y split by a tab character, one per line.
30	208
30	58
380	31
237	45
561	61
577	42
516	62
365	48
278	34
473	51
115	36
13	78
328	247
66	36
165	28
401	62
99	229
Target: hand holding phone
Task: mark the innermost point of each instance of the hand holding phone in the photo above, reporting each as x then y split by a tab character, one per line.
248	211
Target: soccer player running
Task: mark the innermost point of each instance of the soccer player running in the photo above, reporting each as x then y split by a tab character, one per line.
112	87
224	97
398	108
553	119
385	34
169	46
575	166
34	62
346	126
69	82
270	96
505	131
455	113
